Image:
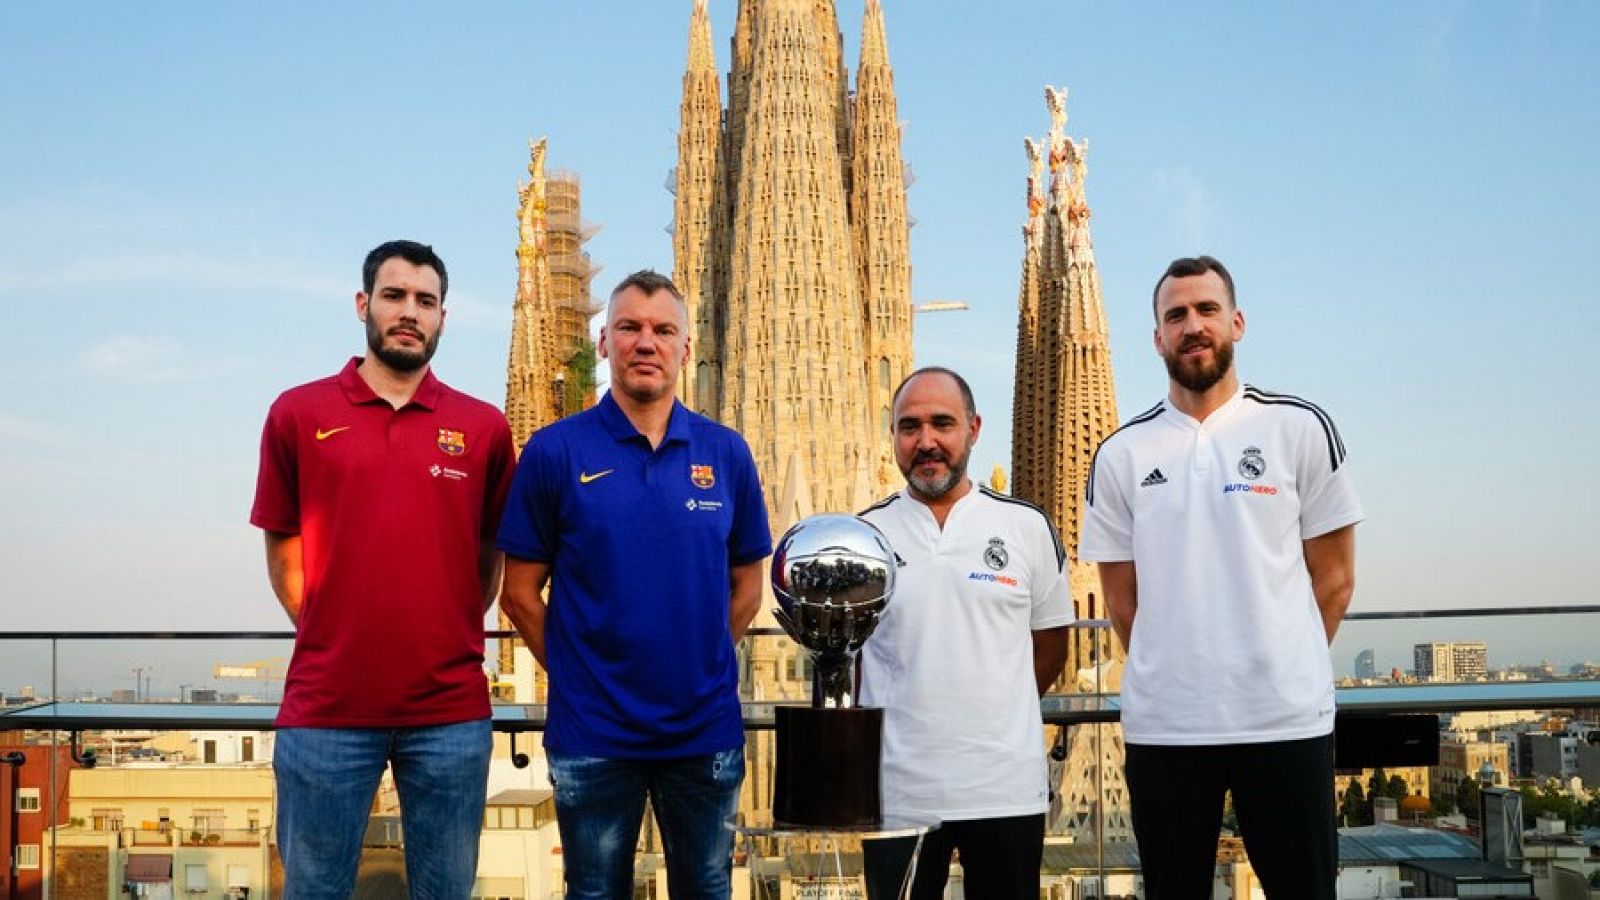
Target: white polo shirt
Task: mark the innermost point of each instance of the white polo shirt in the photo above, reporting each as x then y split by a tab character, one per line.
1228	645
951	661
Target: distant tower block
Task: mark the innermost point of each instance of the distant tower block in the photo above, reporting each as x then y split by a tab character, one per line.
1063	405
549	326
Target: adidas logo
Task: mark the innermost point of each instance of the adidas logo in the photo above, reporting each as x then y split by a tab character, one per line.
1155	477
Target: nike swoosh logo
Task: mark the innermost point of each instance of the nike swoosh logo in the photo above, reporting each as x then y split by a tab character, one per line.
585	477
324	435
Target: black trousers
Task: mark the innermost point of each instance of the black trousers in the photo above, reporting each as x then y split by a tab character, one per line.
999	860
1282	792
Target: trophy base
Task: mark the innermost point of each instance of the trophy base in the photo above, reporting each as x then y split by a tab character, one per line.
827	767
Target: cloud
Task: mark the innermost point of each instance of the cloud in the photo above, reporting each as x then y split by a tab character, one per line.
171	271
17	430
150	359
1190	202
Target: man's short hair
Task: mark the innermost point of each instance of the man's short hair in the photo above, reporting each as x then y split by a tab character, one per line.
961	383
410	251
649	281
1188	267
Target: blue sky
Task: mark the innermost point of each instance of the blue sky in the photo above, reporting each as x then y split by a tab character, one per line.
1403	192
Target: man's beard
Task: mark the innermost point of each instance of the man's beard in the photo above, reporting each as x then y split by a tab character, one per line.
1198	377
398	359
935	488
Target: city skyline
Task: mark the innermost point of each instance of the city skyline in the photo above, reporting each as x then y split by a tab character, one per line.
1402	194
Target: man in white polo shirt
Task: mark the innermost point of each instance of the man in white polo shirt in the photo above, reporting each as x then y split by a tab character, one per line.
1224	525
974	634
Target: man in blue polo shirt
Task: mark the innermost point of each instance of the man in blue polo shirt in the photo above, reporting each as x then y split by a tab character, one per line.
647	522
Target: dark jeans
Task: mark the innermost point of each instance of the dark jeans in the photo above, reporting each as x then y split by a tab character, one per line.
600	806
326	778
1282	792
999	860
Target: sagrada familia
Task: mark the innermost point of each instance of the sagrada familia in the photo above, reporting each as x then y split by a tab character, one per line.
791	244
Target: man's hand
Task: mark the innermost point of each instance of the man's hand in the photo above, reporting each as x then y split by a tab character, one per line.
1120	582
1331	561
744	596
520	600
287	571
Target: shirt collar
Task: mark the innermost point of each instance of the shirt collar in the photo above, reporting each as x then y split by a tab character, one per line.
1221	412
357	391
617	425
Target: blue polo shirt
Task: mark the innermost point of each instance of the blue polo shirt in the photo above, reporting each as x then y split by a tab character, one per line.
639	543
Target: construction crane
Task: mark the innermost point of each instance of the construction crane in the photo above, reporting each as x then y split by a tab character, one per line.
932	306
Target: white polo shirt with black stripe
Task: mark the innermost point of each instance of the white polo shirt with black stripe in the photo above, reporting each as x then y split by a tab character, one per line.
951	661
1228	645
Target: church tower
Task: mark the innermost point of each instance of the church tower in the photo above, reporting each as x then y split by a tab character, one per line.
1064	404
550	369
791	246
790	239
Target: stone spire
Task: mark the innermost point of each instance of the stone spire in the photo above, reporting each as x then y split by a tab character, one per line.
792	381
699	191
882	235
533	365
1029	420
1064	403
1063	407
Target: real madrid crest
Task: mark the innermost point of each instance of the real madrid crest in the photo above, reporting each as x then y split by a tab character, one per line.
702	476
995	555
452	442
1251	465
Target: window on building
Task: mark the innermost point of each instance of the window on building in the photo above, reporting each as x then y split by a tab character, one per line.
27	799
207	821
27	856
106	819
194	879
238	877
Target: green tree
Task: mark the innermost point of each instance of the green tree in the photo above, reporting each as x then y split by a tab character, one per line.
1396	788
1467	797
1549	799
580	380
1442	805
1353	806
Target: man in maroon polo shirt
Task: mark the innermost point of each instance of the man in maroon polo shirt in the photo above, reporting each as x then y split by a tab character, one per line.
380	493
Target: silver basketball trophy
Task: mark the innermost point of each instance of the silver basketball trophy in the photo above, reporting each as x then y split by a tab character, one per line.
832	576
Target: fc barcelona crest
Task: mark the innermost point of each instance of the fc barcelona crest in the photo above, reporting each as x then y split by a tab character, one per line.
452	442
702	476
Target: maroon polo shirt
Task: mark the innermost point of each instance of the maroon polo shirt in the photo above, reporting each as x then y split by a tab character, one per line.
391	505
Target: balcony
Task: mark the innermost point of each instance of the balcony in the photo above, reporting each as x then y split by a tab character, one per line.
156	727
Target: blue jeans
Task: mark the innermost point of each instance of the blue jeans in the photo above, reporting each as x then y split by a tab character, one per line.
600	805
326	779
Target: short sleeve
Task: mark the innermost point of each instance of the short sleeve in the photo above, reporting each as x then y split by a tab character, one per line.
1328	498
750	538
499	470
529	526
1052	594
1107	516
277	502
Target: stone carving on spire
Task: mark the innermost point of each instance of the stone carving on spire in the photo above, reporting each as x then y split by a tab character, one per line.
1064	405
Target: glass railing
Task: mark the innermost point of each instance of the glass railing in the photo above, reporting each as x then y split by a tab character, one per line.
177	727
